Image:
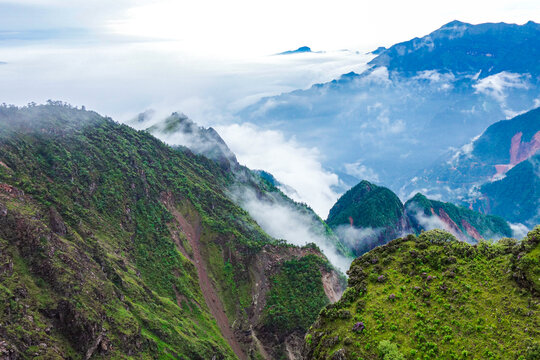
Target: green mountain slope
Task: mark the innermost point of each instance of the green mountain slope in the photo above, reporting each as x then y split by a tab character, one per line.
502	150
516	197
113	244
433	297
465	224
257	191
369	215
368	206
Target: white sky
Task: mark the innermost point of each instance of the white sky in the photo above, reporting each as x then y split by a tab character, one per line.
263	27
241	26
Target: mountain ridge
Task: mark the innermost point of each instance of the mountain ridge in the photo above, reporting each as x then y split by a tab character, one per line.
368	216
102	232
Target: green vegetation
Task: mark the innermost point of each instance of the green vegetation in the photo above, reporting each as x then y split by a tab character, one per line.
380	211
287	306
368	205
468	224
520	187
91	257
371	207
432	296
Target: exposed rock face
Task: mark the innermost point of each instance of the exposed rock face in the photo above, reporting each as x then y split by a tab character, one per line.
264	266
332	286
57	224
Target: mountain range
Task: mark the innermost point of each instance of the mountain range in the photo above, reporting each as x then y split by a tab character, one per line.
417	100
368	216
151	240
496	173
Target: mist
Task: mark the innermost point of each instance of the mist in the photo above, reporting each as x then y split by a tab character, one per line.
285	222
360	239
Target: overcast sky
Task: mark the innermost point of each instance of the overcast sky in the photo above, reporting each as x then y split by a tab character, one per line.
209	58
261	27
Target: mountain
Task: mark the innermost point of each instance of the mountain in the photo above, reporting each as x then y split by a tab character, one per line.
302	49
203	141
476	173
463	223
375	209
515	197
417	100
459	47
368	215
256	191
113	244
431	297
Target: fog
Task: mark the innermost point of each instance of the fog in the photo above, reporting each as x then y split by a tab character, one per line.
282	221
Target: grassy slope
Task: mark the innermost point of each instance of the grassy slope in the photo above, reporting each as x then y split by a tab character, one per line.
520	187
368	205
116	267
286	306
434	297
487	226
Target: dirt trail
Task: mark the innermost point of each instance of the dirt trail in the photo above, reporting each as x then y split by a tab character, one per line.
209	293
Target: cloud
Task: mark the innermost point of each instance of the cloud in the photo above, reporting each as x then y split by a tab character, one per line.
291	163
379	75
435	76
444	81
464	151
25	16
495	85
427	222
282	221
519	231
358	238
360	171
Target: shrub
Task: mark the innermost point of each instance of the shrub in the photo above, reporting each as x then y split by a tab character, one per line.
389	351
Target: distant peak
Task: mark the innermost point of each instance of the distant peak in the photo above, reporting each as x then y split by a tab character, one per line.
349	75
379	50
302	49
454	23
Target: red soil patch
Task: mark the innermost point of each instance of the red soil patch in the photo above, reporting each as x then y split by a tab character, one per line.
208	290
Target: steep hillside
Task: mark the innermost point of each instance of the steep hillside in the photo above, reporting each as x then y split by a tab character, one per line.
257	192
367	206
431	297
515	197
201	141
488	158
113	244
369	215
463	223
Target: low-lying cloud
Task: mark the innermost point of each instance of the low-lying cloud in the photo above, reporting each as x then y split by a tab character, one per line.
519	231
358	238
291	163
282	221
